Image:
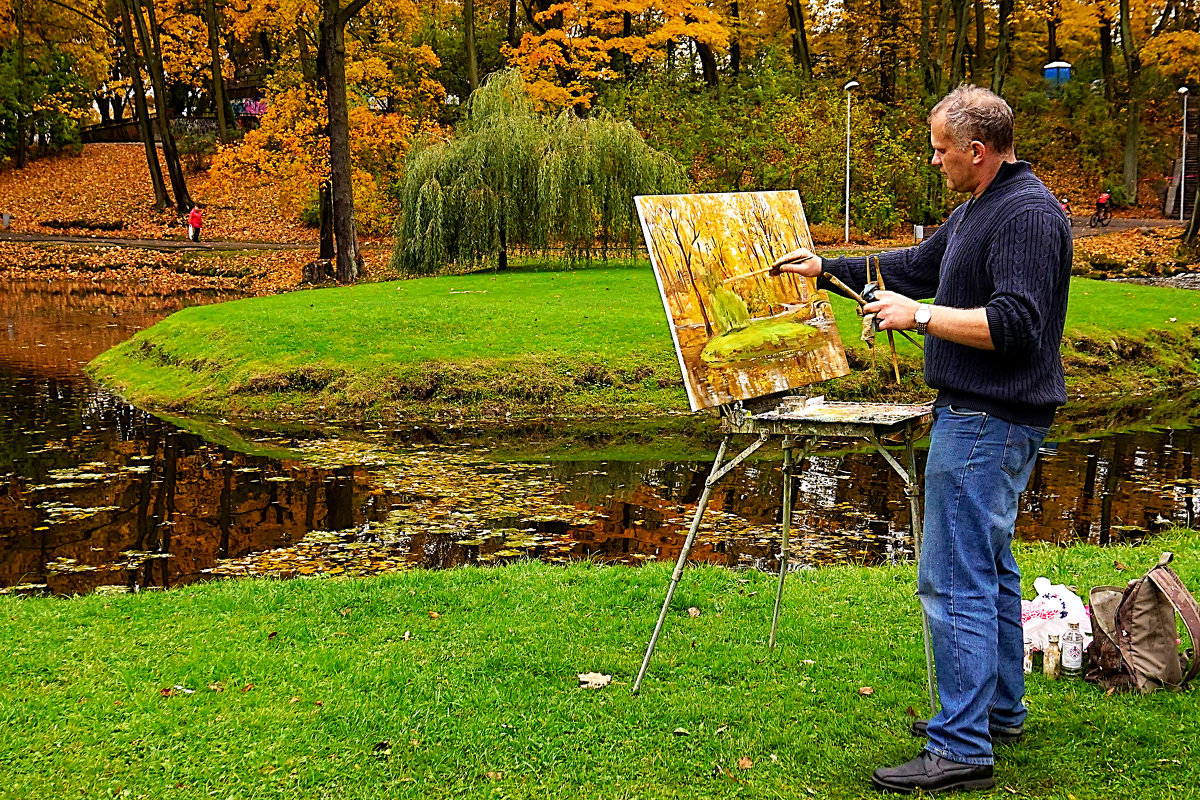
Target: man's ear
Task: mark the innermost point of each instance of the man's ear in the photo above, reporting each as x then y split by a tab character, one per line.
978	148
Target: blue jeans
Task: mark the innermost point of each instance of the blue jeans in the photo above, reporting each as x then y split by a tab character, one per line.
968	580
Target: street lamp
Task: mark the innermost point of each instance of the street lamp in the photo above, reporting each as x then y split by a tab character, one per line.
1183	91
846	89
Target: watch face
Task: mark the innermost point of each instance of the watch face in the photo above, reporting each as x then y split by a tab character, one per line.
922	314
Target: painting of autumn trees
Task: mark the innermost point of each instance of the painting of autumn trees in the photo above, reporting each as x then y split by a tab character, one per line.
739	332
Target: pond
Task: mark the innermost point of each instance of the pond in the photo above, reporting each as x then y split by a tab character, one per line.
102	496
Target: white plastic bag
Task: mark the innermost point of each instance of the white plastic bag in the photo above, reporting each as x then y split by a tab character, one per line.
1049	613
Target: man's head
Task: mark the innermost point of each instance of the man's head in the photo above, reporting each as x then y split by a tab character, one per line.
971	131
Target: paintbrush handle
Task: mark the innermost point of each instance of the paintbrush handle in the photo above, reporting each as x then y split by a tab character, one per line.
747	275
834	280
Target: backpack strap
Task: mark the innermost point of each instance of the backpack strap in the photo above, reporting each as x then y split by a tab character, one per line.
1185	605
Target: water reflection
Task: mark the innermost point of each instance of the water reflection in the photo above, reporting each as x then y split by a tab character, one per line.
97	493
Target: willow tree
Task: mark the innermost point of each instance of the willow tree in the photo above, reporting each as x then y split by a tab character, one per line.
515	177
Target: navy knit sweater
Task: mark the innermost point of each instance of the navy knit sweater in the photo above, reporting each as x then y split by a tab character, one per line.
1007	251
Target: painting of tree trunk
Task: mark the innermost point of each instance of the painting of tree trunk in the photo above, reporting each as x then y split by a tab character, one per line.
739	332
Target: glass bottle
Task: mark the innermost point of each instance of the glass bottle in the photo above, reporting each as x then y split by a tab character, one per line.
1072	651
1028	656
1052	659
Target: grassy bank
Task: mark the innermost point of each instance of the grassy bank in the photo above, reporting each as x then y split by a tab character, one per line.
537	343
463	684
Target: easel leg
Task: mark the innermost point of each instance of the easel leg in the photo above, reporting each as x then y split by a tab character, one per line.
788	468
682	560
912	489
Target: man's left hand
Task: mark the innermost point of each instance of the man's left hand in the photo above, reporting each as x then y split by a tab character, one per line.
894	312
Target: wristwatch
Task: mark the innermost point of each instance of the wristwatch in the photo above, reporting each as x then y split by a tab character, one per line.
922	316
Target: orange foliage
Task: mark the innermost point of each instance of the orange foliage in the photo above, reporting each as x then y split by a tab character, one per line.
562	66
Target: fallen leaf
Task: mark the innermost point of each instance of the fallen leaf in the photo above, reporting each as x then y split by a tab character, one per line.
745	763
272	634
407	635
594	680
247	687
693	612
216	687
434	615
681	732
1118	566
495	776
866	691
294	700
168	692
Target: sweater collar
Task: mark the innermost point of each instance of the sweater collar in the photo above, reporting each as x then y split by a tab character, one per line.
1008	172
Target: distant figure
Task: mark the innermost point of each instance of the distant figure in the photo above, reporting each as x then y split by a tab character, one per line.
194	223
1102	201
1066	206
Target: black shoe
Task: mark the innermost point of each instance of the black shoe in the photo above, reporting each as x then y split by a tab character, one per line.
1000	735
931	773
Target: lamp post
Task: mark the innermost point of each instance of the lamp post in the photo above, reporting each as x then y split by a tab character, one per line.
846	89
1183	92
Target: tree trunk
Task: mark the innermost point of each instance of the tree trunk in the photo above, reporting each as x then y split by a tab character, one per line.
218	80
333	55
800	53
888	29
1133	122
1107	70
708	63
735	46
1052	23
1000	64
512	24
153	58
979	56
925	52
627	31
141	110
325	210
958	54
469	32
943	28
22	136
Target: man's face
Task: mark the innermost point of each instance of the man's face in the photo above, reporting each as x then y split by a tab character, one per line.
959	166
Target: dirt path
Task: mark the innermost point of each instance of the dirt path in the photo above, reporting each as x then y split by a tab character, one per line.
1079	225
151	244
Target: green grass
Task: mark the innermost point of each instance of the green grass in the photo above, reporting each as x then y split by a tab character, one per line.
583	342
352	689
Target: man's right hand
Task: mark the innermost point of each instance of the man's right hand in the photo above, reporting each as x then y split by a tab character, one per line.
801	261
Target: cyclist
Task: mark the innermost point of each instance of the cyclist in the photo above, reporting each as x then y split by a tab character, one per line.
1065	206
1103	214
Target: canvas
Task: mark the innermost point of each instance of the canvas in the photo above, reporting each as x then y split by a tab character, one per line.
739	333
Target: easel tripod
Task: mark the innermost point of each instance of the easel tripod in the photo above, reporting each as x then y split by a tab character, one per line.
801	423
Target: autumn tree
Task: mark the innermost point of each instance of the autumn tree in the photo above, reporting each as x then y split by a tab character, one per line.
515	177
51	59
387	94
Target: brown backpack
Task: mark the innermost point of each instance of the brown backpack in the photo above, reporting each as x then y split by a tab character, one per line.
1135	642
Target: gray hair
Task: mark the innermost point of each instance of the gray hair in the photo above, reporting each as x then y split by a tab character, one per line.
971	114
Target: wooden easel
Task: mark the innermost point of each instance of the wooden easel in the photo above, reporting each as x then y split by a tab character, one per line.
801	422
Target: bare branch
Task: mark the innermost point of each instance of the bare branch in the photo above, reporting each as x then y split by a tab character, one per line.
103	25
348	13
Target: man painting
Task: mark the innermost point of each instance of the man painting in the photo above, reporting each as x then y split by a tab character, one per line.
998	271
